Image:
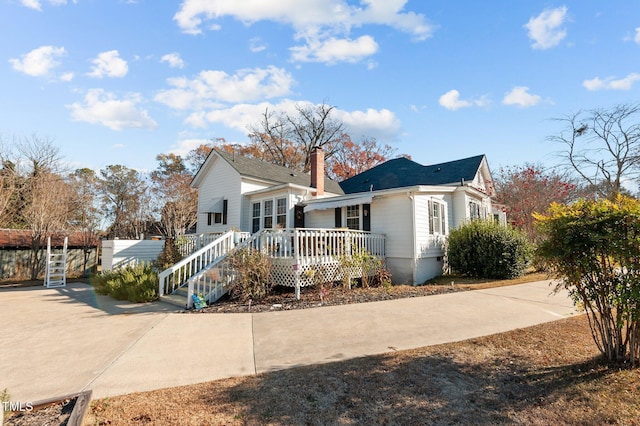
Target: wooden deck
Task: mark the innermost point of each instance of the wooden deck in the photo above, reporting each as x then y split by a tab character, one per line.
303	257
300	257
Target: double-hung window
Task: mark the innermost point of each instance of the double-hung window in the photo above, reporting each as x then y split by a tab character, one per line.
353	217
268	214
437	224
474	210
255	217
281	212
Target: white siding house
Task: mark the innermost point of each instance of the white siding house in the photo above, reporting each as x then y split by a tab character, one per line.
413	205
236	192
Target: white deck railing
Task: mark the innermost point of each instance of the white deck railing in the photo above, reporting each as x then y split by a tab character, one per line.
294	253
212	283
301	256
190	243
317	245
178	275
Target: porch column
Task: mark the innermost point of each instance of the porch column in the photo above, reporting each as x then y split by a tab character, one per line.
296	265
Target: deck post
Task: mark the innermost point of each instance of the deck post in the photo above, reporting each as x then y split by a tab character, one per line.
296	266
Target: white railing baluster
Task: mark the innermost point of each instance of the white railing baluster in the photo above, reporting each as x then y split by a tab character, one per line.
207	272
178	275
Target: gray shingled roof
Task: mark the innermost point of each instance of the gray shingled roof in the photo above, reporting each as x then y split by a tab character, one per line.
262	170
402	172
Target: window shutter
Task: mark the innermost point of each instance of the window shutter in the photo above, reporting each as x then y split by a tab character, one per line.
338	217
209	218
224	212
431	226
442	220
298	221
366	217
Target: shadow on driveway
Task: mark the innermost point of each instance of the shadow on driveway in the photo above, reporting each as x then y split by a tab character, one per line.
82	293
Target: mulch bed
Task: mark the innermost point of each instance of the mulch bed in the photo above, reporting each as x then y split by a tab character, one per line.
54	414
283	298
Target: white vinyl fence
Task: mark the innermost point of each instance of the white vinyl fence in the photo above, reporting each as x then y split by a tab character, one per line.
119	253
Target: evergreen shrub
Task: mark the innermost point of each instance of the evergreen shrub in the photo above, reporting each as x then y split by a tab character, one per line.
486	249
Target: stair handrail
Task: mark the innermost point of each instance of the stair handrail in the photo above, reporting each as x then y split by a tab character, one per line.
194	263
225	274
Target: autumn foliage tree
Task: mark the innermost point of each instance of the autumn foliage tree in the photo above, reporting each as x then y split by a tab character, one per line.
354	158
527	189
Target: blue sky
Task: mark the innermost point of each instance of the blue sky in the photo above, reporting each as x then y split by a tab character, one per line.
118	82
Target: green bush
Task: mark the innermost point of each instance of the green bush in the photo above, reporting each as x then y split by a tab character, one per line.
169	256
252	279
133	283
593	247
485	249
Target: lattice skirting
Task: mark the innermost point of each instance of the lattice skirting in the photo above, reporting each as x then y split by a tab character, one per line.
285	273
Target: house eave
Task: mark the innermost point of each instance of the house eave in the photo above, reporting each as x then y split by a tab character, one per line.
385	192
288	186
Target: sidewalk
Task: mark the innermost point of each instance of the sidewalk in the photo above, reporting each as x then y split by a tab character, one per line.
60	341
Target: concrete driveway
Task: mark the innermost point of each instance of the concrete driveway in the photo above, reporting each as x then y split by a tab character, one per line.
61	341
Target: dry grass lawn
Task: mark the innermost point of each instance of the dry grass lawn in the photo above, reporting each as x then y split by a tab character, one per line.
549	374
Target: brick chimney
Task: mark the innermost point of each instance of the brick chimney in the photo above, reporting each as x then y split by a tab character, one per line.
317	170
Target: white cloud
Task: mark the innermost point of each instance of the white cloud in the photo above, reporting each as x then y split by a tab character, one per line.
324	24
451	101
257	45
32	4
637	36
197	119
334	50
546	30
521	97
173	59
211	87
37	5
380	124
184	146
39	61
100	107
109	64
67	76
610	83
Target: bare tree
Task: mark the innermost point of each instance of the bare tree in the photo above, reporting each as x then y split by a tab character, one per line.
288	140
178	202
197	156
602	146
45	212
84	213
40	154
9	185
41	200
125	201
